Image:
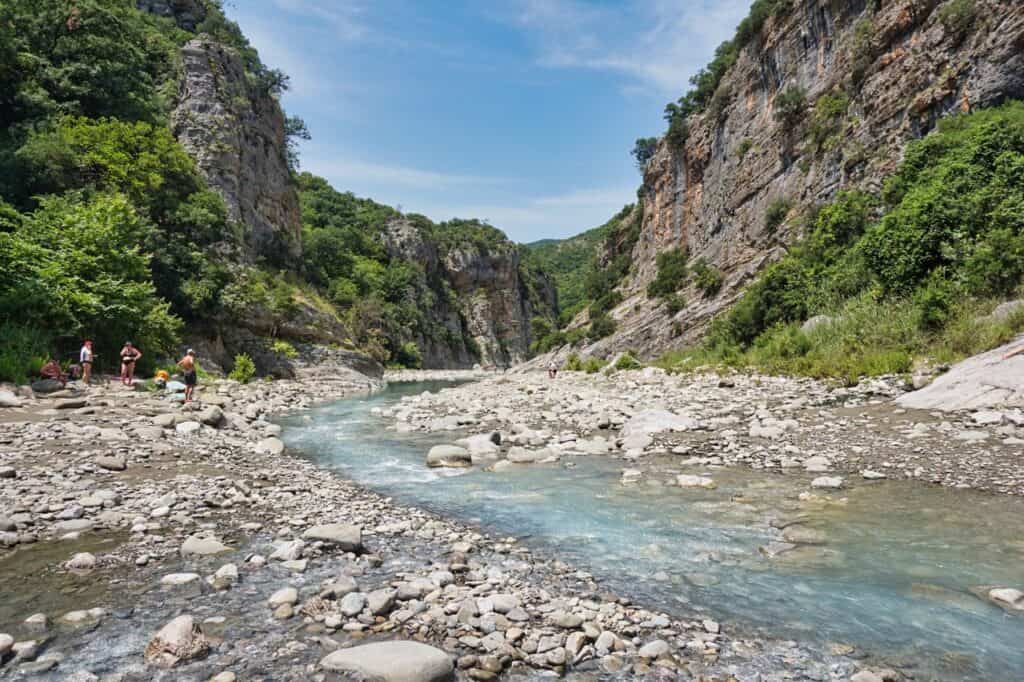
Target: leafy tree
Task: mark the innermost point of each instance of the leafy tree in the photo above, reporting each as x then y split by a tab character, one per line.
643	150
75	266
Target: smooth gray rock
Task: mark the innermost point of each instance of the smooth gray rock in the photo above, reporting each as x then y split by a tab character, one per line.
345	536
449	456
203	546
396	661
116	462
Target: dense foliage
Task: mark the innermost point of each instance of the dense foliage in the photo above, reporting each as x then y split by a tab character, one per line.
899	274
108	230
104	218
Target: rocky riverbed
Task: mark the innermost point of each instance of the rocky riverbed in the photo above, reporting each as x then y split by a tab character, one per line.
144	539
768	423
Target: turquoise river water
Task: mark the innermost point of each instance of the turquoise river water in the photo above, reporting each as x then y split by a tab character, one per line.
893	576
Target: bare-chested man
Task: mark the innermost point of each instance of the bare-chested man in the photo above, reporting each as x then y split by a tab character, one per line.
188	363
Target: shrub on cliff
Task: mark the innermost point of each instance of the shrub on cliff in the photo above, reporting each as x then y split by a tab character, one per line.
790	106
706	277
671	273
600	327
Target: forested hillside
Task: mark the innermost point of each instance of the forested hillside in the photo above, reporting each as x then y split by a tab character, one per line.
147	191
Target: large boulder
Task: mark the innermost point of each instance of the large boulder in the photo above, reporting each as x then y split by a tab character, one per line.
8	399
177	641
345	536
448	456
401	661
982	381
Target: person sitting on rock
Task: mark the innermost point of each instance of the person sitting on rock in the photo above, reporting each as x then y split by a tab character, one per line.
52	370
129	356
188	363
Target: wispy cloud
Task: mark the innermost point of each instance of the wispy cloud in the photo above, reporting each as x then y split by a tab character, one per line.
345	172
543	216
344	19
659	43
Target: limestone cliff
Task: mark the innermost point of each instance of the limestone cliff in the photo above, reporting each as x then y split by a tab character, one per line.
897	66
236	133
485	298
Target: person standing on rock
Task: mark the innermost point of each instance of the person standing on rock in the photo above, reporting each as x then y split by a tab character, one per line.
129	356
188	363
85	358
552	369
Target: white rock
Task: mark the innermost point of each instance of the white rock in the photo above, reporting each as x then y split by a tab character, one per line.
393	661
691	481
828	482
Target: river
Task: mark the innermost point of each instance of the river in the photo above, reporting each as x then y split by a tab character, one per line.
890	571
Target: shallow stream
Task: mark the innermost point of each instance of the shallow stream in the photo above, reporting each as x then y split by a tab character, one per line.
890	573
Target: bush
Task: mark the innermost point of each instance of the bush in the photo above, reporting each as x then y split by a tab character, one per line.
282	347
790	106
600	327
829	111
995	265
244	369
671	273
958	16
409	356
627	361
707	278
934	304
573	363
23	352
643	150
593	365
776	214
673	304
746	144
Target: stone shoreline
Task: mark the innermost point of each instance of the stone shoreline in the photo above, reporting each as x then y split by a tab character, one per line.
767	423
200	512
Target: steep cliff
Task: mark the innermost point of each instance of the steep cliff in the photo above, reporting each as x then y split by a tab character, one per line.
484	296
236	133
823	98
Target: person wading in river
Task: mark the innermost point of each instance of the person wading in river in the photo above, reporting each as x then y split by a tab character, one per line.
129	356
188	363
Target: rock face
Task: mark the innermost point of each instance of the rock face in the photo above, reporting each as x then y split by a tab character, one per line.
484	303
392	662
712	194
236	133
985	380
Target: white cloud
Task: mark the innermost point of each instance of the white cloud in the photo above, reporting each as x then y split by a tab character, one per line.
560	215
344	172
660	43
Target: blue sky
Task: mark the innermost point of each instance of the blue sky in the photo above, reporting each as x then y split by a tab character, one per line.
520	112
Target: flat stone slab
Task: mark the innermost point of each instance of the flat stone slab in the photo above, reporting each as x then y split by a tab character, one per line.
400	661
343	535
983	381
